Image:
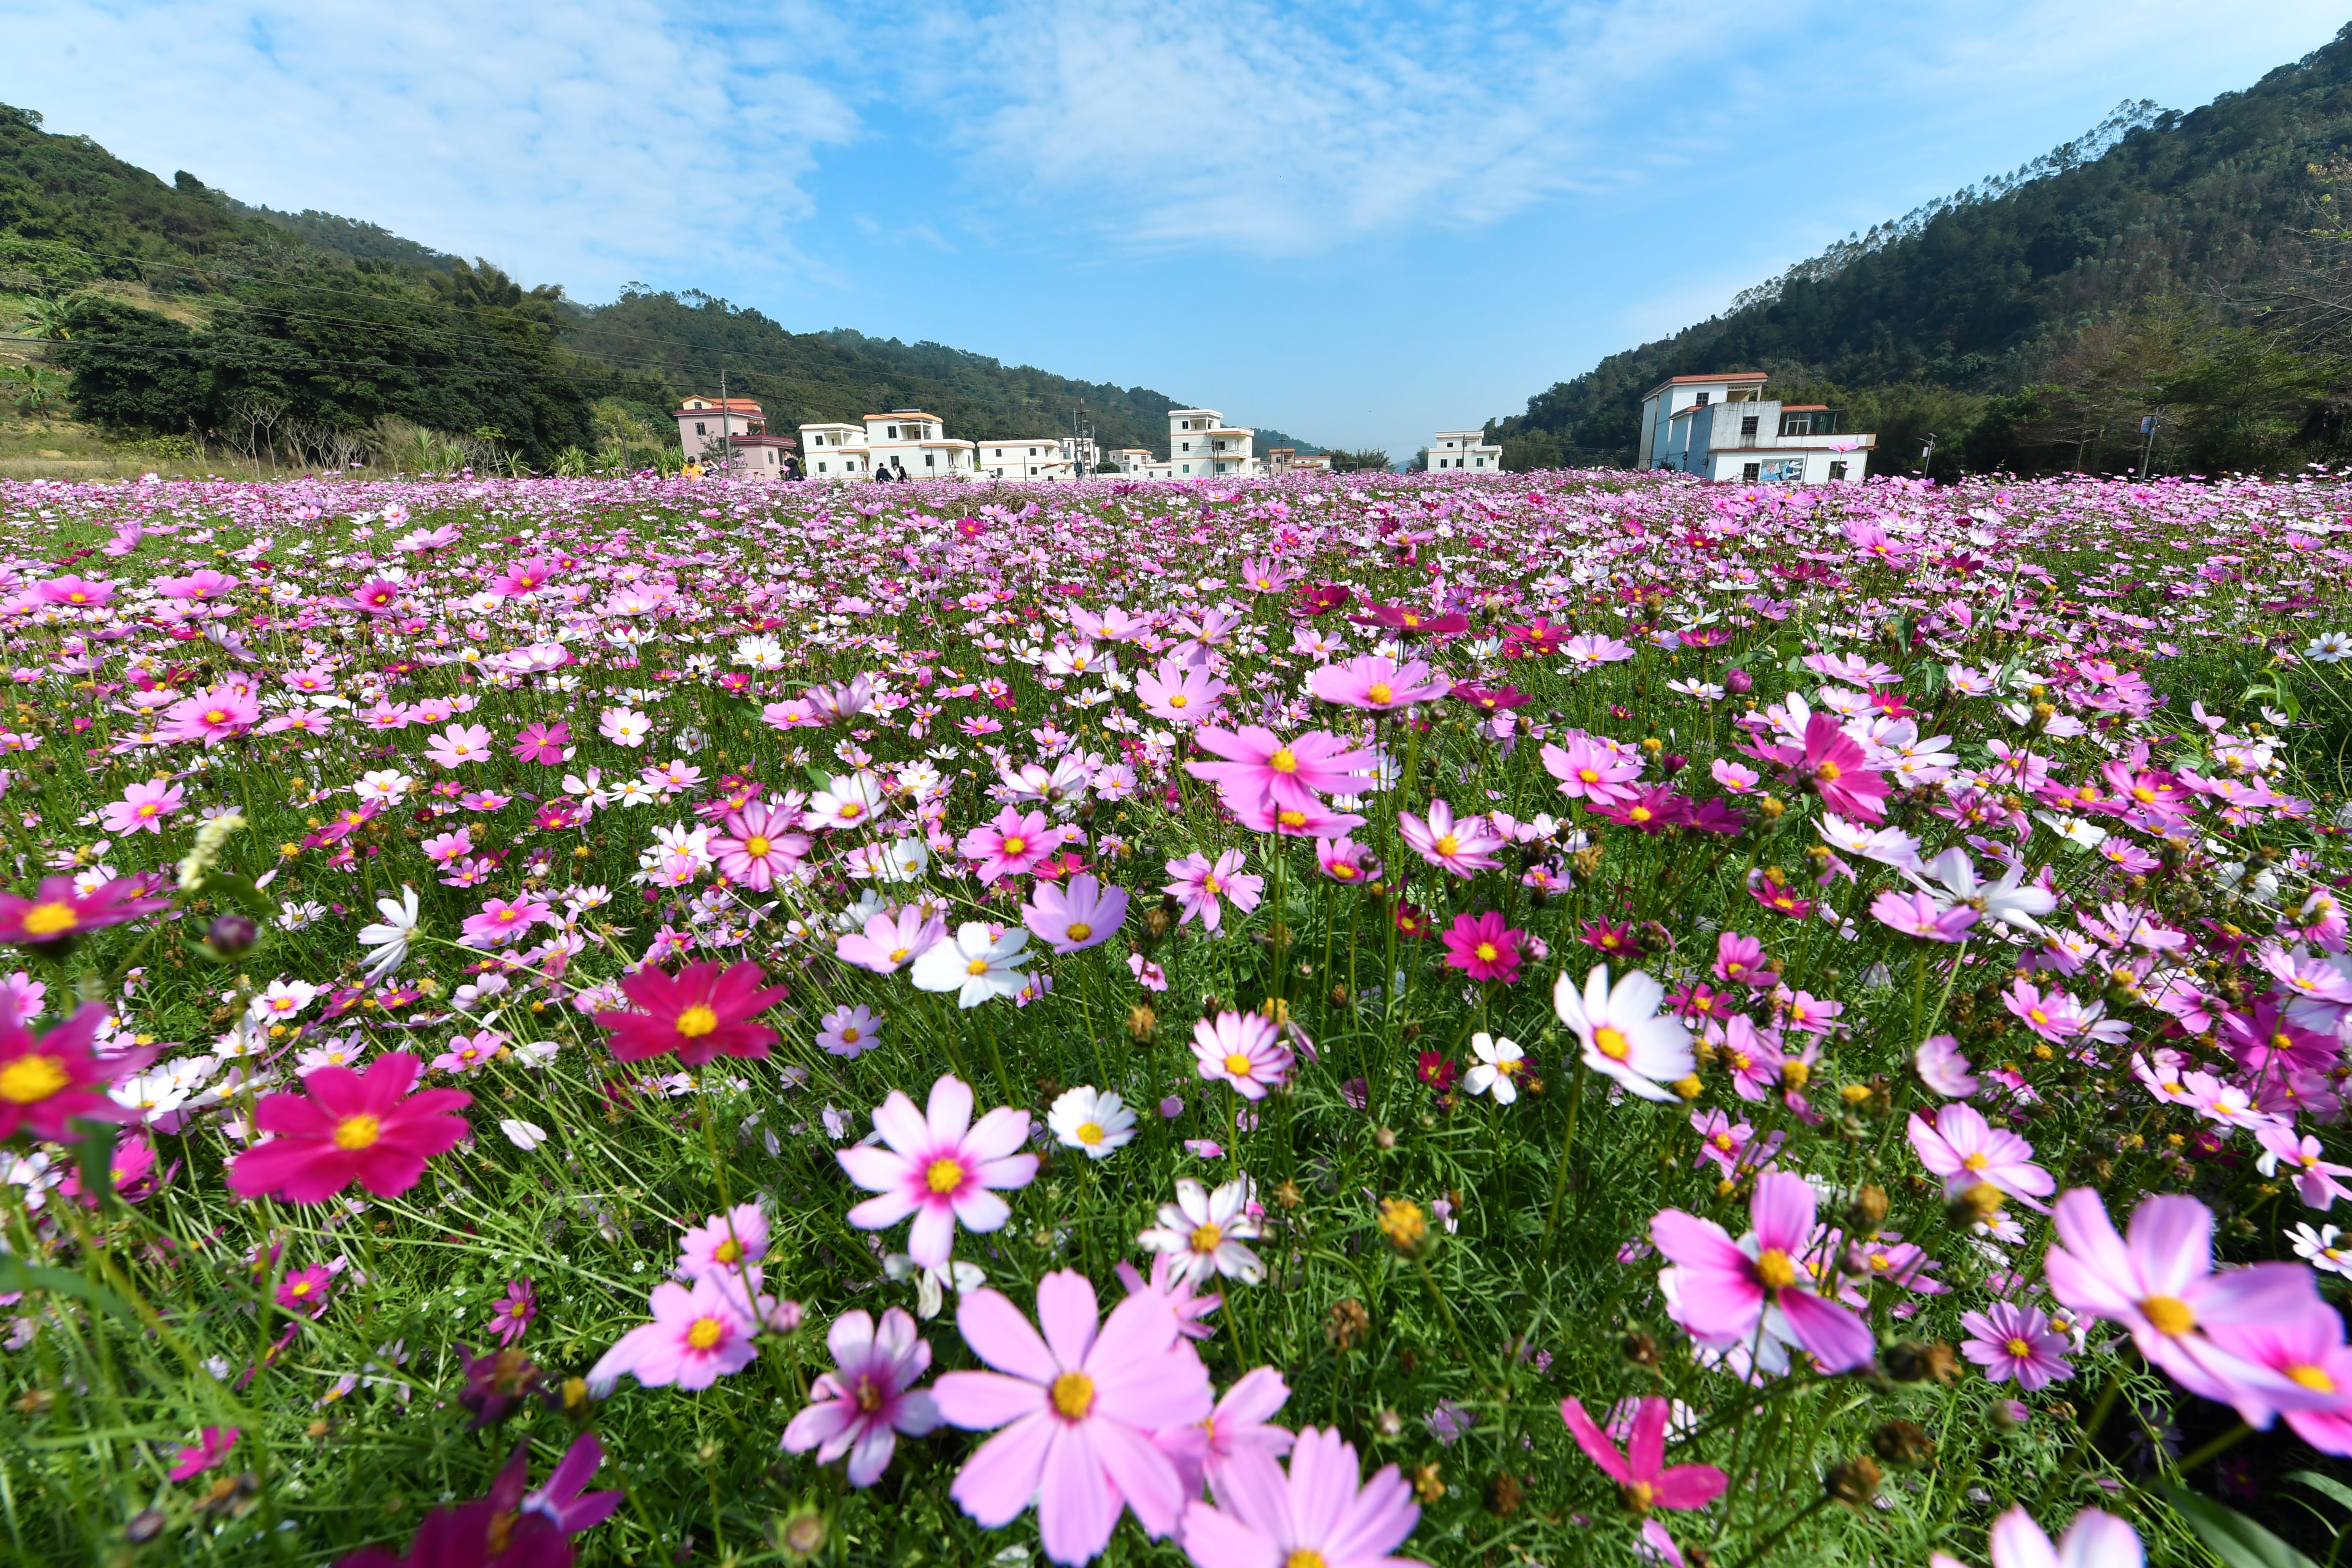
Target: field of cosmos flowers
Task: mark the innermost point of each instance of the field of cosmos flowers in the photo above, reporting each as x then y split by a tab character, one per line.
1567	1019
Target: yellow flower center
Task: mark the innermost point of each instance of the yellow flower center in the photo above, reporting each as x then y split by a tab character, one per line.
706	1332
1976	1161
354	1133
1342	870
756	846
1305	1557
1828	773
1448	843
1380	691
850	809
1283	761
976	966
1775	1269
697	1021
1292	817
2017	1347
1079	931
1178	699
944	1176
2313	1378
28	1080
1724	1141
300	1287
1485	953
898	955
1205	1238
1237	1065
2168	1314
1089	1134
50	919
869	1395
1611	1042
727	1251
1074	1394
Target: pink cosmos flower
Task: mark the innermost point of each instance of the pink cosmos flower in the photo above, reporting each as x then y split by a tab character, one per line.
2051	1015
724	1244
2159	1283
1260	766
504	921
546	745
459	745
1077	1406
2095	1539
1964	1149
890	941
1243	1049
1242	1423
1317	1515
212	1446
1379	684
697	1336
1297	821
211	716
939	1168
1200	886
762	841
1589	650
512	1314
1834	764
1073	917
2307	1348
1346	861
1589	769
1916	914
704	1012
1484	947
48	1080
346	1127
1177	692
1009	845
2014	1343
1741	961
1942	1067
2315	1177
868	1398
76	592
143	807
1725	1289
849	1031
1642	1471
1464	848
1731	1146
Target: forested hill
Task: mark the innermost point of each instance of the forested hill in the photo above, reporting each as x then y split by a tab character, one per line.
2163	262
180	313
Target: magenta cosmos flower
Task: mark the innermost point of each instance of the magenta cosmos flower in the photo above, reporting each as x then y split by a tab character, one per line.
1484	947
1078	1405
1834	764
1725	1289
1072	919
868	1398
1244	1049
1260	766
1642	1471
701	1013
2012	1341
940	1168
1009	845
2158	1282
347	1127
57	912
48	1080
762	841
1964	1149
1319	1515
697	1336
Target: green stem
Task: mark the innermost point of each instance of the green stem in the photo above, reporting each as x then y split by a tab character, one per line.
1566	1146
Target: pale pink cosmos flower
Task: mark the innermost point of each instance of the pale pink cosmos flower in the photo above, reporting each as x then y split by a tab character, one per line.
2159	1284
1917	914
1260	766
868	1398
940	1168
1964	1149
1242	1423
1942	1067
1072	919
1204	1232
1243	1049
504	921
211	716
2052	1015
1320	1513
1464	847
1589	650
458	744
623	726
1346	861
849	1031
2315	1179
1178	692
2095	1539
1592	768
143	807
1012	846
1622	1032
2307	1348
1725	1289
2017	1342
1177	1288
724	1244
1077	1406
697	1336
1200	886
1379	684
890	941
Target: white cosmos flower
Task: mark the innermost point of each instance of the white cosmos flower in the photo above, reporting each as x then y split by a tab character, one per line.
1499	1064
523	1135
1887	846
1094	1120
1202	1232
2009	901
2329	647
1624	1035
853	801
975	964
389	941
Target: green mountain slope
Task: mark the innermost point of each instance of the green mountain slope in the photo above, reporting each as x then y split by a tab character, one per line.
182	313
1972	314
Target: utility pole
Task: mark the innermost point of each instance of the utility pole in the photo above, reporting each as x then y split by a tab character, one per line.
726	430
2148	445
1928	454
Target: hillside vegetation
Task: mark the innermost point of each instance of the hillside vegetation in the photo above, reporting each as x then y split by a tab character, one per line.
194	324
2184	265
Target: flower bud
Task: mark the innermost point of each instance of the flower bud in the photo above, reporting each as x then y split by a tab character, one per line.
1640	1348
1737	681
1405	1224
1920	1360
1902	1443
229	935
1853	1482
1868	1210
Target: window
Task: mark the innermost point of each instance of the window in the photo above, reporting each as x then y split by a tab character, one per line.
820	466
930	460
1701	401
698	429
1186	447
1837	470
1747	426
1748	471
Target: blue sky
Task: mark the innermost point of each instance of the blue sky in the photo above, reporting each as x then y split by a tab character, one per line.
1357	223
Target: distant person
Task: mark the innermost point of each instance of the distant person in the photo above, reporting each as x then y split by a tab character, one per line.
897	470
792	467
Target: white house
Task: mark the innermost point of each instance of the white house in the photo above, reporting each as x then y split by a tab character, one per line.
915	442
1201	444
1133	461
1028	457
1724	428
835	451
1464	449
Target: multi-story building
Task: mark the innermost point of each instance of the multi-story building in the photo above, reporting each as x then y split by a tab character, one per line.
835	451
1026	459
710	430
1132	461
1724	428
1466	449
1081	453
1200	445
905	441
1281	460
